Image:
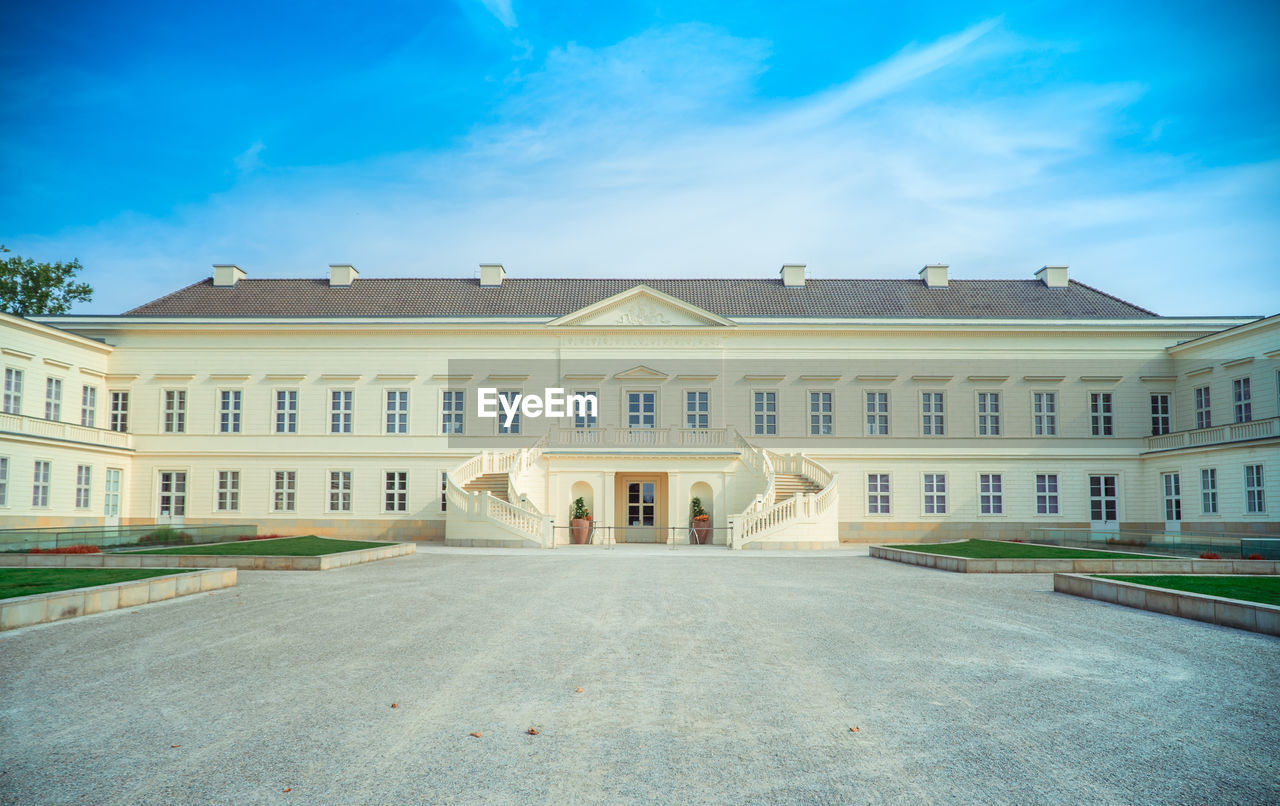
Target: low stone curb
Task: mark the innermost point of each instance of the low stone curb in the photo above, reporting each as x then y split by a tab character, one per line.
244	562
42	608
1140	564
1252	616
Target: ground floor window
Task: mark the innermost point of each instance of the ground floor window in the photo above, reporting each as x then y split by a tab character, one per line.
1172	497
397	491
935	494
1254	500
173	493
84	474
228	490
4	481
40	484
284	491
111	501
1104	505
1209	491
991	493
1046	493
340	491
878	494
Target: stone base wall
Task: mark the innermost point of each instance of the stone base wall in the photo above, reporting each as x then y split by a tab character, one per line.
1140	564
390	529
939	531
1251	616
24	611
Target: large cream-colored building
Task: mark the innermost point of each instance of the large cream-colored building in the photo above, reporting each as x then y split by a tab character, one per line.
799	411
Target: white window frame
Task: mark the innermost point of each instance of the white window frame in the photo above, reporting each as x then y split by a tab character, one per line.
41	482
826	418
1161	413
640	414
284	490
14	379
1104	419
395	405
517	420
1044	413
1242	399
89	405
697	412
173	420
444	491
226	490
760	427
345	494
4	481
933	412
230	416
988	408
53	398
342	409
933	491
284	419
1202	395
174	494
1255	490
991	495
110	497
1171	495
877	419
1051	495
1209	491
1119	494
84	486
118	416
395	491
879	485
585	419
453	412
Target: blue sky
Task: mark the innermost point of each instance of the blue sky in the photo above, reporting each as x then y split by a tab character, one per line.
1138	142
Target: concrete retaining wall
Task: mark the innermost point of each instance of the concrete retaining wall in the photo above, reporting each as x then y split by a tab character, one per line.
23	611
245	562
1212	609
1140	564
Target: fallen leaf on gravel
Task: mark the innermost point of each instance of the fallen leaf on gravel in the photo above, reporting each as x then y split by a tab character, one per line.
175	745
579	689
476	734
393	705
854	729
533	731
288	789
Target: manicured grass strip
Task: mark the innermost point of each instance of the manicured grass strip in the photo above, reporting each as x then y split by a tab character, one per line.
30	581
1263	590
281	547
1000	550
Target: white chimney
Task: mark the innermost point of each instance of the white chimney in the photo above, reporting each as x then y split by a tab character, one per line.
227	274
934	275
342	275
1053	276
792	275
491	275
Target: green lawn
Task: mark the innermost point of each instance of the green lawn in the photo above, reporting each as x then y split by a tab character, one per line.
280	547
997	549
30	581
1264	590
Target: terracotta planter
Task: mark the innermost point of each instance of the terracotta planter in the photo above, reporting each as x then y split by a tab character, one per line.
701	530
579	530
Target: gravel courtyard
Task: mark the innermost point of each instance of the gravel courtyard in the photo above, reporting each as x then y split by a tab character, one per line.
706	676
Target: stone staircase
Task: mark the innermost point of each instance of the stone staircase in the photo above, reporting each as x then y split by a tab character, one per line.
492	483
788	485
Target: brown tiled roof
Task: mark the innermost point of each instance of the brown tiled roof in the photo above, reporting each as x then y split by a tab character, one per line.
444	296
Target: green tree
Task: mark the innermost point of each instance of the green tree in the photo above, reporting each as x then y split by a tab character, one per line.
28	288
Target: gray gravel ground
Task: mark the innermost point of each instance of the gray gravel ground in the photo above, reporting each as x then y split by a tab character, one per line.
707	676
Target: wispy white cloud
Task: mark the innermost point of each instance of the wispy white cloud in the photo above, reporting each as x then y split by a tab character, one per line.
501	9
654	157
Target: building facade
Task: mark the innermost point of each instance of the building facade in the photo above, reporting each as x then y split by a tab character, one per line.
798	411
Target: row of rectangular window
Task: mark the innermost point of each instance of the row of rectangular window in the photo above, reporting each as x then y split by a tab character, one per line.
641	410
41	485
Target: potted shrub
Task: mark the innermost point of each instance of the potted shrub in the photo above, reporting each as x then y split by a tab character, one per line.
580	522
701	521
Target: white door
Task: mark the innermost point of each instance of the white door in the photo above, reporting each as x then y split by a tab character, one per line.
1104	504
111	506
173	496
1172	502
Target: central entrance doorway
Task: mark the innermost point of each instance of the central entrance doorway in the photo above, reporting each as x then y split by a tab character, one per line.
641	514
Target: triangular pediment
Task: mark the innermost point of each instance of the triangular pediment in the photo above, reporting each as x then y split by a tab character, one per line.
641	306
641	373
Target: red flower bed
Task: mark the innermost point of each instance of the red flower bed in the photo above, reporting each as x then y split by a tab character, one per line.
1255	556
260	537
77	549
1209	555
